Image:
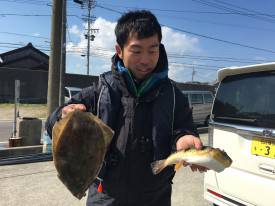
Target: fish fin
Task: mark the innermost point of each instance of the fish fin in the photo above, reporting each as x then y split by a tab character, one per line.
178	166
158	166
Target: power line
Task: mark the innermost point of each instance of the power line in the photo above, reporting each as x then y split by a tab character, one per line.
190	19
109	9
180	11
249	10
177	64
218	23
186	56
221	40
13	45
215	59
27	35
13	14
203	65
204	36
36	15
47	3
222	7
28	2
170	55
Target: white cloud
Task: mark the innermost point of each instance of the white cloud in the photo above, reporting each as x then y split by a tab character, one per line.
74	30
105	37
178	43
104	41
36	34
180	72
260	58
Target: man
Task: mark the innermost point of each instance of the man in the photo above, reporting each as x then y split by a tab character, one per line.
150	116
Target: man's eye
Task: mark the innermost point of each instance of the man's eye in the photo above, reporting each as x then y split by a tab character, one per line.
136	52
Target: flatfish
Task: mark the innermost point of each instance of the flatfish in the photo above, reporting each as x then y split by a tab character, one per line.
80	142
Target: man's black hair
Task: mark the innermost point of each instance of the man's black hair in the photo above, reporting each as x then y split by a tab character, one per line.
140	22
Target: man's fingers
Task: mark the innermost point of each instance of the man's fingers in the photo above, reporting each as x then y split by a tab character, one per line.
71	107
197	143
80	107
188	141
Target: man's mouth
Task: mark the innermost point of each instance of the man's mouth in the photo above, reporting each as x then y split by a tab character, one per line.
146	70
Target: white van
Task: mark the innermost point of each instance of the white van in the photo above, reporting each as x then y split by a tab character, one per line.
243	124
201	104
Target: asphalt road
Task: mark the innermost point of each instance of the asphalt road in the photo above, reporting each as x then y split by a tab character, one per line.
37	184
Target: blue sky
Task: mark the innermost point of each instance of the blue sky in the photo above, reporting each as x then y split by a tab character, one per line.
199	35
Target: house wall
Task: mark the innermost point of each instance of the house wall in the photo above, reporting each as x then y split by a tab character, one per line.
34	84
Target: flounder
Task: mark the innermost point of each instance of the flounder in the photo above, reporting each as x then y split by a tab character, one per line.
209	157
80	142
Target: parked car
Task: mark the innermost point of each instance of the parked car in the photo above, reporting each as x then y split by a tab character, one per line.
201	104
242	123
70	91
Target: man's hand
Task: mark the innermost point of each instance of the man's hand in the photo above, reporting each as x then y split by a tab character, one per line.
189	141
70	108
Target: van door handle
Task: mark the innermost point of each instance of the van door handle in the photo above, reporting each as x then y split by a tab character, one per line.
267	169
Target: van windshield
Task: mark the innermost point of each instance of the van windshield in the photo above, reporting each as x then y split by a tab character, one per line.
247	99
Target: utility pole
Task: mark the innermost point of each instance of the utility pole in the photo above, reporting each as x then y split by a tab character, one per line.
16	106
55	56
63	53
193	73
88	36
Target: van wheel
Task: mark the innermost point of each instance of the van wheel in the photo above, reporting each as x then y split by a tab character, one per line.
206	122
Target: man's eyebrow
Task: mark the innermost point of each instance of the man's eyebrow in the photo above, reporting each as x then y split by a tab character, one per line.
136	46
154	45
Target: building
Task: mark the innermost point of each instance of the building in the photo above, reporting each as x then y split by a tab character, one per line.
30	66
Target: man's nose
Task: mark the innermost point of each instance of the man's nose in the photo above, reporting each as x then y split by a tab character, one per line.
144	59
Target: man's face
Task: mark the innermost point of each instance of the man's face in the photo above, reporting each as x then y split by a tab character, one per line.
140	56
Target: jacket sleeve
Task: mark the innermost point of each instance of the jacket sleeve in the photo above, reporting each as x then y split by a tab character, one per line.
88	96
183	118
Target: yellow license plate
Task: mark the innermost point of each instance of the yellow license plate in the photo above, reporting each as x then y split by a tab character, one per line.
263	147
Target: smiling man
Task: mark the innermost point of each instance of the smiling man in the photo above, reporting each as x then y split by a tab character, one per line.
150	116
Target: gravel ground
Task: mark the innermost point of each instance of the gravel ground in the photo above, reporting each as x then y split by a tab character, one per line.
25	110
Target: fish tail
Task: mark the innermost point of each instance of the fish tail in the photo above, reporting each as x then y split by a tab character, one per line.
158	166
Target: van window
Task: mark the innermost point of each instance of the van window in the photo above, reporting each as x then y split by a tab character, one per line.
196	99
208	98
246	99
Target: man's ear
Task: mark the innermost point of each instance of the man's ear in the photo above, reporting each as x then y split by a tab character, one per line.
119	51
